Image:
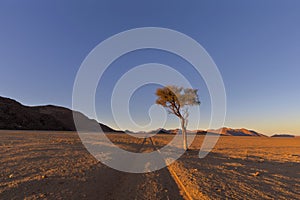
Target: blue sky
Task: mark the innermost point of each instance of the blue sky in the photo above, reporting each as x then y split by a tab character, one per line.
255	44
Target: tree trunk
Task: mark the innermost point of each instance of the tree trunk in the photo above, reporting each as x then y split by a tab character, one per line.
183	130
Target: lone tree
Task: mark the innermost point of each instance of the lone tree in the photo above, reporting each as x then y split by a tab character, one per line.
177	100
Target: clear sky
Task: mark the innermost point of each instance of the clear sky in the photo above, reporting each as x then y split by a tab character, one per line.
255	44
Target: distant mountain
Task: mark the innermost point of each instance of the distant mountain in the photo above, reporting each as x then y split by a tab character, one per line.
129	131
15	116
156	131
201	132
222	131
160	131
282	136
235	132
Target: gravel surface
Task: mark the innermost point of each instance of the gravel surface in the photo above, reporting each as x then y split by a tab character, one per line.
55	165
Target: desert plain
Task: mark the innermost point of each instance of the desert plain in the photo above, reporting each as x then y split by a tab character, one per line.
56	165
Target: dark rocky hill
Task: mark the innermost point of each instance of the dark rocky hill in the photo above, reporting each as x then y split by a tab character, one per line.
15	116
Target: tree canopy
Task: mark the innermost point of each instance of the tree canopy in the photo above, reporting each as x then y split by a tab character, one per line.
177	98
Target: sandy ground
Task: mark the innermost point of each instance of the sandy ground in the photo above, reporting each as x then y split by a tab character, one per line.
55	165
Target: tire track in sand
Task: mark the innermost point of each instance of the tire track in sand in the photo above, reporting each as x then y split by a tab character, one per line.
183	190
153	185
